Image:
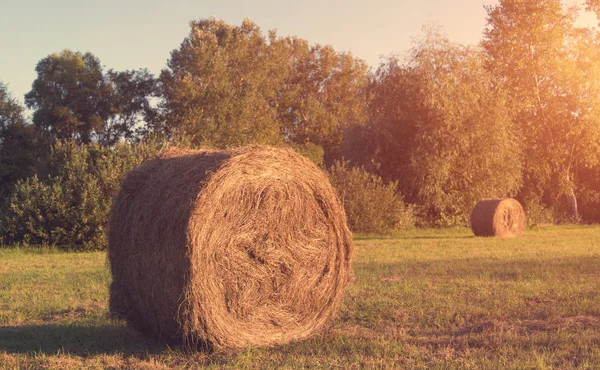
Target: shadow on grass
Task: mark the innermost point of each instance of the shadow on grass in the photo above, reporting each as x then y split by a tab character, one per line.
77	339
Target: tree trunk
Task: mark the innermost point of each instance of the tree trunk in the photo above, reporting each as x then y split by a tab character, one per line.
570	196
572	206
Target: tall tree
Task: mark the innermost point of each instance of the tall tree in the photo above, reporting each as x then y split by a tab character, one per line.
220	86
74	99
130	95
442	129
68	96
323	94
593	5
18	143
11	112
551	69
231	85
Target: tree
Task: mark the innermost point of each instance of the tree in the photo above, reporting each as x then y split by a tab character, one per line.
593	5
440	127
130	95
230	85
323	94
11	112
74	99
18	143
588	194
68	96
220	87
550	67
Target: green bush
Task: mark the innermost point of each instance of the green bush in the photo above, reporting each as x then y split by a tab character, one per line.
67	203
311	151
371	205
536	212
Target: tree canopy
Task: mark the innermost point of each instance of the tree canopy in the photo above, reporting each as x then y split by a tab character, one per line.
231	85
73	98
221	85
517	115
18	142
551	69
441	127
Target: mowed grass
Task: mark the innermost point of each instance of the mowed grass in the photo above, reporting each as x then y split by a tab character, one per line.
421	299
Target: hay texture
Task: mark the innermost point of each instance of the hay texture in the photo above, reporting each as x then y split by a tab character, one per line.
503	218
228	249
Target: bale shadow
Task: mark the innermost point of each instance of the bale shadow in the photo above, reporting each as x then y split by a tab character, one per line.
77	339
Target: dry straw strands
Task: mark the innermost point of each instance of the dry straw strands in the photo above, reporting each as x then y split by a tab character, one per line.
227	249
504	218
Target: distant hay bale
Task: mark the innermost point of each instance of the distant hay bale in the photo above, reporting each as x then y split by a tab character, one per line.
228	249
504	218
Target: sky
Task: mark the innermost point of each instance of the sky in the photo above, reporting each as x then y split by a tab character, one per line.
133	34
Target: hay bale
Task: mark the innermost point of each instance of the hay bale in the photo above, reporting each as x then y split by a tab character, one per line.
228	249
504	218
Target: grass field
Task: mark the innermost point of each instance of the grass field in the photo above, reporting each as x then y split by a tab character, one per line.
423	299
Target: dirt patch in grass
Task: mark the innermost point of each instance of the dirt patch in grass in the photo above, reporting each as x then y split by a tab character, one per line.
391	279
70	314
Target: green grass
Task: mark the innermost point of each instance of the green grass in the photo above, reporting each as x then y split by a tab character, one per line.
420	299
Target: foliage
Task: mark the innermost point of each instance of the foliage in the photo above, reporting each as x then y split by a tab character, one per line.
371	205
588	194
311	151
536	212
323	93
449	124
230	85
11	112
130	95
19	144
74	99
441	129
593	5
551	69
69	207
220	84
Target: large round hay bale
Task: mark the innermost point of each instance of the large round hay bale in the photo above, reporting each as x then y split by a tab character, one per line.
228	249
504	218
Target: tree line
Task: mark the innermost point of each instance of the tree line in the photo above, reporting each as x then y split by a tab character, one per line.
517	115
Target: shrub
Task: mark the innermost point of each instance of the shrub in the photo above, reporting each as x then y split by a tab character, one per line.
311	151
371	205
536	212
67	203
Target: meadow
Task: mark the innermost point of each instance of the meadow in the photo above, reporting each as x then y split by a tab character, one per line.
419	299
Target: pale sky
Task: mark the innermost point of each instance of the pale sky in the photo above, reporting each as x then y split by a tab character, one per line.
132	34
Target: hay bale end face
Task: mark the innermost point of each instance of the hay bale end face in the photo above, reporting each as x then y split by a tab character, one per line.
503	218
228	249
